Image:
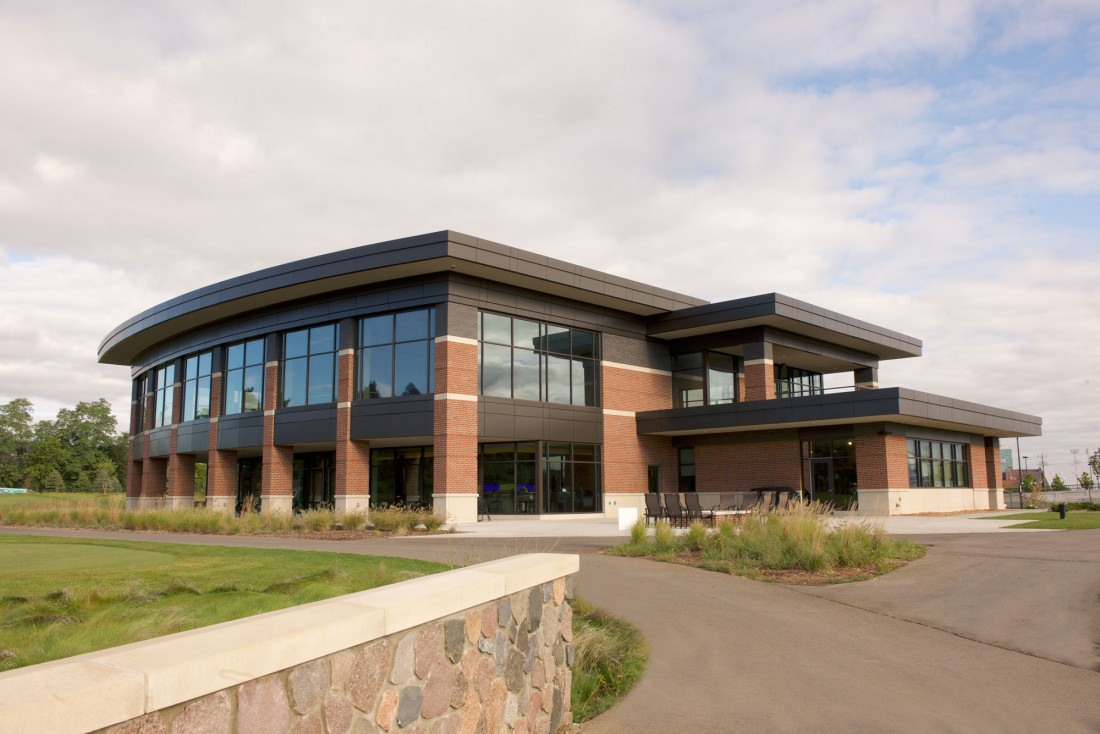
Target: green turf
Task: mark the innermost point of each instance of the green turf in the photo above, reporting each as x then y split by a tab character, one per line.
67	596
1051	521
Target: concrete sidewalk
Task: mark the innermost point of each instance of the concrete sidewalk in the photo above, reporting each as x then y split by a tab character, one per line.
602	527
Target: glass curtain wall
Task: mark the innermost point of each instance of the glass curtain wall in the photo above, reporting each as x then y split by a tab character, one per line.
402	476
703	378
162	408
396	355
566	476
309	366
314	481
244	377
531	360
791	382
196	386
938	464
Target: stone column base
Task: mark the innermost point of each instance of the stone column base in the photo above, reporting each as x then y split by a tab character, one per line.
456	508
352	503
149	503
221	504
133	503
270	504
179	503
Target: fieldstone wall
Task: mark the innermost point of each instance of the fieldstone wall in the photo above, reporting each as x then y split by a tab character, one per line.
501	667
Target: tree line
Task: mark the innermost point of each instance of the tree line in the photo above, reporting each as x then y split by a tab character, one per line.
80	450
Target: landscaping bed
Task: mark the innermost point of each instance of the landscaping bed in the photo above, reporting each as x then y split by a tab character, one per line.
795	545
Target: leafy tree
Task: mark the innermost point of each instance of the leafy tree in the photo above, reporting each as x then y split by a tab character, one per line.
1057	484
16	434
45	457
1085	480
200	480
79	440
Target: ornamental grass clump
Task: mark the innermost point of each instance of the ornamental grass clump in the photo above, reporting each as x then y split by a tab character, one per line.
610	658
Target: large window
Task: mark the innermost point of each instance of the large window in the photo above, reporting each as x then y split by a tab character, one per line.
531	477
687	469
139	391
309	366
162	407
396	355
938	464
509	477
402	476
531	360
703	378
313	481
244	377
196	386
791	382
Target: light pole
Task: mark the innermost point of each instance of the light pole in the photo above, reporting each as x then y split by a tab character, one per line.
1076	476
1020	477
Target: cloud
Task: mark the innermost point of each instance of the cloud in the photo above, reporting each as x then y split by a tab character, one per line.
908	163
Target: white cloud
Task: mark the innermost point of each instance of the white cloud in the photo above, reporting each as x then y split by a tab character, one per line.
878	159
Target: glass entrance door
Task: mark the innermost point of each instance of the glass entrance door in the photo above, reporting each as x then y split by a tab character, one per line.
249	476
821	480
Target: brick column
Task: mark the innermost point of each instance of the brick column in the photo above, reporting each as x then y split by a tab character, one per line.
991	467
180	491
221	466
154	472
352	457
759	372
455	429
882	471
627	456
278	467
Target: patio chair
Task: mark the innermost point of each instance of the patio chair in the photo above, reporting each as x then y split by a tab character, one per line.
653	509
695	511
729	501
674	510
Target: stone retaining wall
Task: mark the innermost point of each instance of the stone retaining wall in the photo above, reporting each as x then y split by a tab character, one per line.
421	659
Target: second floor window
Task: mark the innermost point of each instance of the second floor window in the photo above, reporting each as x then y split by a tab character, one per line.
196	386
244	377
309	366
703	378
791	382
397	355
164	402
529	360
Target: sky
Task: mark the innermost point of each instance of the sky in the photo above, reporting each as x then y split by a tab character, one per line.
932	167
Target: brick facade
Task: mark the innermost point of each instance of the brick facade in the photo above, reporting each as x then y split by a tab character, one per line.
740	462
881	460
627	455
455	422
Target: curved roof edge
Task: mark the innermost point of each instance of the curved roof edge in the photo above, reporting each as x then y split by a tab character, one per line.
442	251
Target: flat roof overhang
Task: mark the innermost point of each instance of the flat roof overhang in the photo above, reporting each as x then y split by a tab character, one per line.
445	251
893	405
778	311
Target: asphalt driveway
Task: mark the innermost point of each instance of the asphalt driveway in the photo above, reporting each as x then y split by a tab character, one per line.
995	632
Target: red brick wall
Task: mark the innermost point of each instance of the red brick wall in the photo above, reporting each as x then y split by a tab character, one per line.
154	477
221	466
455	421
181	472
352	457
881	461
985	463
759	381
736	463
627	456
278	466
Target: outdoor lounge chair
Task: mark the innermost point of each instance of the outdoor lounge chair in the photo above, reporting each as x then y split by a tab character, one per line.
674	511
695	511
729	502
653	507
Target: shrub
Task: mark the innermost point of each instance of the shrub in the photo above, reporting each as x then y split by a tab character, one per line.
638	533
663	536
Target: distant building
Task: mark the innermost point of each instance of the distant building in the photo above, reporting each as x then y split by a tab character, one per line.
1011	478
1007	460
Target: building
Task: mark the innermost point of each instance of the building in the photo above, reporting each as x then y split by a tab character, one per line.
440	368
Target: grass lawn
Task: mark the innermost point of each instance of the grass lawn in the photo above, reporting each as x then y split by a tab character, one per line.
67	596
1051	521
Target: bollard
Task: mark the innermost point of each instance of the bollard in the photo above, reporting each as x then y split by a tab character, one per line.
1062	510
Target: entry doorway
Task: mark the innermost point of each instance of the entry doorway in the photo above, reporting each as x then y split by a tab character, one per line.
831	472
314	481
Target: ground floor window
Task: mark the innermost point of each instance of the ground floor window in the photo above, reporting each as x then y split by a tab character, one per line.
402	476
829	469
250	474
938	464
687	469
529	477
314	480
